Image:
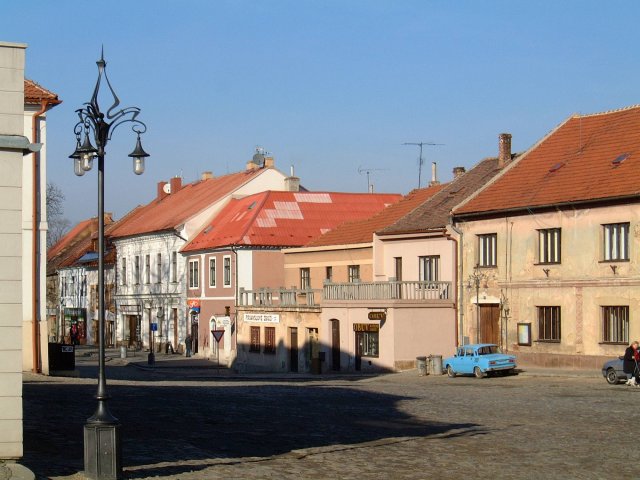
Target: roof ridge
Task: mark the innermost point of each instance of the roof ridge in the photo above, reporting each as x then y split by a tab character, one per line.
606	112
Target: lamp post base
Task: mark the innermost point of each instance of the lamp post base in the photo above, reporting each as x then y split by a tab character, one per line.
102	451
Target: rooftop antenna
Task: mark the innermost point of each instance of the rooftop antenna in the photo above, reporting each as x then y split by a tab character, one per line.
368	171
421	160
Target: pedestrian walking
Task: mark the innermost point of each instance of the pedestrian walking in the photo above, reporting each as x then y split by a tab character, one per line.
630	364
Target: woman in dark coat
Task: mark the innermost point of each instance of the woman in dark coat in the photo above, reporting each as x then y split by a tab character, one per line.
629	364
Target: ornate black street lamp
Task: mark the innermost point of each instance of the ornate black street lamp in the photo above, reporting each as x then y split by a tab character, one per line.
102	442
474	281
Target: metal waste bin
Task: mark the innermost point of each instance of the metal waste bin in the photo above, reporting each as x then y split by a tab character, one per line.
421	365
436	364
123	351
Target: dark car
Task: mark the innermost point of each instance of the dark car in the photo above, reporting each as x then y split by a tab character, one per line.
612	371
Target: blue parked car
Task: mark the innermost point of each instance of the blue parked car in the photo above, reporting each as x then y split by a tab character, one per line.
612	371
479	360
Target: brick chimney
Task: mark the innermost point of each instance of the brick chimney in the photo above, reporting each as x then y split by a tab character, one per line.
504	149
458	171
161	190
292	183
206	176
268	162
176	184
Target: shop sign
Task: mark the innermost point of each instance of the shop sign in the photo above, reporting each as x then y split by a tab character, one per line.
262	317
194	305
377	316
366	327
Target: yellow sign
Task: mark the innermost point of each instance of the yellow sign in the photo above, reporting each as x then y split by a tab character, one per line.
366	327
377	315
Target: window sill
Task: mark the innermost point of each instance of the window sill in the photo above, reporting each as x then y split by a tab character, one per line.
547	341
613	343
622	260
544	264
487	267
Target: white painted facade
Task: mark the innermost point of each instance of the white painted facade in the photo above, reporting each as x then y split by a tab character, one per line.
12	57
170	295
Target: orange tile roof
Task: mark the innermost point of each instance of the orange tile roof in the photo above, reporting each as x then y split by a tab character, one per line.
285	219
576	162
361	231
34	94
75	244
175	209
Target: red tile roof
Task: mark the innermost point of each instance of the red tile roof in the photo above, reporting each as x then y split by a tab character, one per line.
576	162
285	219
34	94
175	209
74	244
361	231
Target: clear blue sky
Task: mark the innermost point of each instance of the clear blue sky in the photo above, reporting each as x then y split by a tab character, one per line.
328	86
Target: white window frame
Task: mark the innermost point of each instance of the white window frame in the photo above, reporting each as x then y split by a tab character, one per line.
212	272
147	268
123	271
429	268
487	250
174	267
226	268
549	245
194	274
615	242
159	268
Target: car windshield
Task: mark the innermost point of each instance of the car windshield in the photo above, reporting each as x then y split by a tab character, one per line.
488	349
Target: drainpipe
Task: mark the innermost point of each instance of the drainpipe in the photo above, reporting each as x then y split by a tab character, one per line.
35	293
460	262
234	249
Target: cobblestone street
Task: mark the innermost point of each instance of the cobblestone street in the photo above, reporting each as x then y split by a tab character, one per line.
191	424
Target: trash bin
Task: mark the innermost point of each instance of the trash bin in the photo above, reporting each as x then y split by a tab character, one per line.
436	364
123	351
61	357
421	365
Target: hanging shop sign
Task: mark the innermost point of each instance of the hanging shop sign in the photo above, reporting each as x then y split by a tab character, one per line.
194	305
366	327
377	316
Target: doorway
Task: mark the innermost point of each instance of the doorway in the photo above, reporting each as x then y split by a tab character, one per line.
335	345
490	323
134	332
314	350
293	349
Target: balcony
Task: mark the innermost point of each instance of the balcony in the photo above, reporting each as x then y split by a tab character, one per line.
407	291
279	297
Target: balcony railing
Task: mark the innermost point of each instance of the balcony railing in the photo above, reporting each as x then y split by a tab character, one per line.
294	297
279	297
412	291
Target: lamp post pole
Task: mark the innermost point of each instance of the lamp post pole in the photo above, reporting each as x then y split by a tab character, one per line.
474	280
102	441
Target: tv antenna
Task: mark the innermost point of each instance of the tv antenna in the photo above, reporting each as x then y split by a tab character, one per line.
368	171
421	160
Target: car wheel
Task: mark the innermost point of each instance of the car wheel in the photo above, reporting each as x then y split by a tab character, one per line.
450	371
478	373
612	377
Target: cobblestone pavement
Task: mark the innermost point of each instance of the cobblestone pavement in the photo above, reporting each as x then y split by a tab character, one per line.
189	423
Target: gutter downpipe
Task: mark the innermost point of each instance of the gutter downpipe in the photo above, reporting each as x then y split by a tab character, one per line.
236	294
460	291
35	294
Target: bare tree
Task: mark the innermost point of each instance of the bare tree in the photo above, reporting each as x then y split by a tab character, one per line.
58	225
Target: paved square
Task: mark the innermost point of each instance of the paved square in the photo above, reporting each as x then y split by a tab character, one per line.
177	424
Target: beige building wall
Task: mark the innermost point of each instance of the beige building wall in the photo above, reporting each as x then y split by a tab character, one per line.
12	58
317	259
581	284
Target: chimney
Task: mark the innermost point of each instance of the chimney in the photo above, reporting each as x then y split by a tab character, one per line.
458	171
434	176
176	184
268	162
163	190
206	176
291	183
504	149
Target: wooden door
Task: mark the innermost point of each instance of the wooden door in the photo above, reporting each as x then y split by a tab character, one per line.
490	324
359	350
335	345
293	349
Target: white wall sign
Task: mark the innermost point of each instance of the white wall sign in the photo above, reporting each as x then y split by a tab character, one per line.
262	318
